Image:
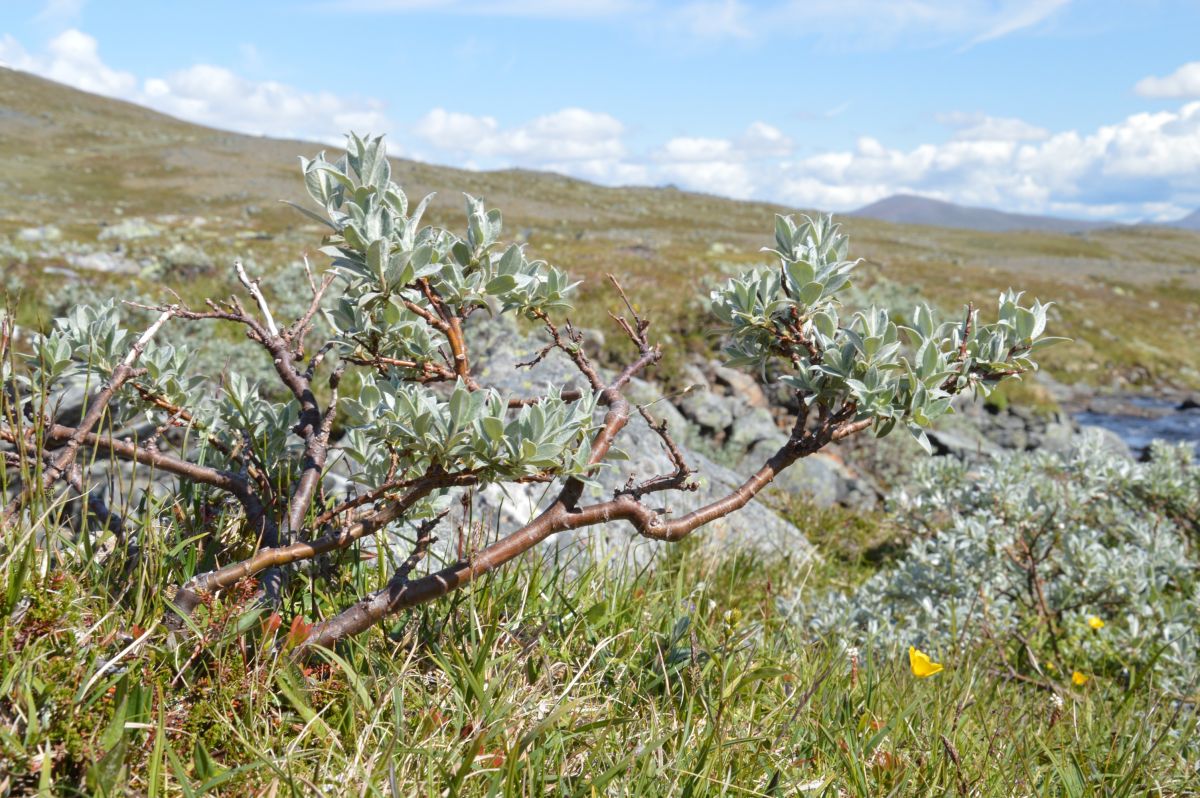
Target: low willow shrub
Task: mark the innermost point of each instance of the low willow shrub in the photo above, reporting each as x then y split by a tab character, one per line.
367	363
1077	567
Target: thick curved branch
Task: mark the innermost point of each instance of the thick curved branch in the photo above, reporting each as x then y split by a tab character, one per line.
127	450
563	515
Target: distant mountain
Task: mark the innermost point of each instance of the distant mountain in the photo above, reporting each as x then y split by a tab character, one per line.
1189	222
910	209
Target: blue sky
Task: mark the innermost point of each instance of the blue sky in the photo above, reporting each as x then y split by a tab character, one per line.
1082	108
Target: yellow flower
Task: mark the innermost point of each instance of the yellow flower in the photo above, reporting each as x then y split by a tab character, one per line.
922	665
1079	679
1096	622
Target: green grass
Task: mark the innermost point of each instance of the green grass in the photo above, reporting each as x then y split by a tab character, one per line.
682	679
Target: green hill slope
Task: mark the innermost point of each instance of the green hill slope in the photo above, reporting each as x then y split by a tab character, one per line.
87	165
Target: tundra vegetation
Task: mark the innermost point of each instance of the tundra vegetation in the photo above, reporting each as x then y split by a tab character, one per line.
253	624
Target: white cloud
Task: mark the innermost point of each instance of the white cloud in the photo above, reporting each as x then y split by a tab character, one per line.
1183	82
726	178
919	23
1144	165
981	127
689	150
202	93
566	136
216	96
714	19
851	23
13	55
60	12
72	58
737	167
765	141
1015	17
552	9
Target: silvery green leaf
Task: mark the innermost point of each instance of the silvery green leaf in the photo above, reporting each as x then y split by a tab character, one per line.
1043	343
810	293
921	438
315	217
501	284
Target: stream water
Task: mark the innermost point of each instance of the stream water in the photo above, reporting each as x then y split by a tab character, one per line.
1156	419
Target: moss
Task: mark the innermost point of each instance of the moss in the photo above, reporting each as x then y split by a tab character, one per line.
1026	393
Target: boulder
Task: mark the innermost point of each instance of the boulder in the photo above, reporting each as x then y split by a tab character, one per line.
46	232
964	444
1109	441
1057	435
108	262
741	385
712	413
498	347
755	527
823	477
748	429
130	229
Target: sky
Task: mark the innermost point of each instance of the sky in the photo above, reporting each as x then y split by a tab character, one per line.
1078	108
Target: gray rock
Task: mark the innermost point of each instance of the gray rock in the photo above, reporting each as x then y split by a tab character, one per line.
498	347
754	527
186	259
1109	441
741	385
749	428
648	395
1058	436
109	262
47	232
823	477
964	443
712	413
693	375
593	342
130	229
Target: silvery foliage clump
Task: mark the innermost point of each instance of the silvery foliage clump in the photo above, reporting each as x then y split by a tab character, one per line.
397	425
381	252
1114	539
400	291
898	375
85	346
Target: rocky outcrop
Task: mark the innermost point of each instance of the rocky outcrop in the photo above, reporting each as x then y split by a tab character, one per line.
755	527
500	348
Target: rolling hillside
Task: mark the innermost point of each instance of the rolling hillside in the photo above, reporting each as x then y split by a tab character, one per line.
124	185
910	209
1189	222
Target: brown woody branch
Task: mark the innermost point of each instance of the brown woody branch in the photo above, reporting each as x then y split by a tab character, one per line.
563	513
188	596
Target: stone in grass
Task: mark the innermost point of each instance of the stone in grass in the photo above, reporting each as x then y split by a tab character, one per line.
129	230
108	262
46	232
